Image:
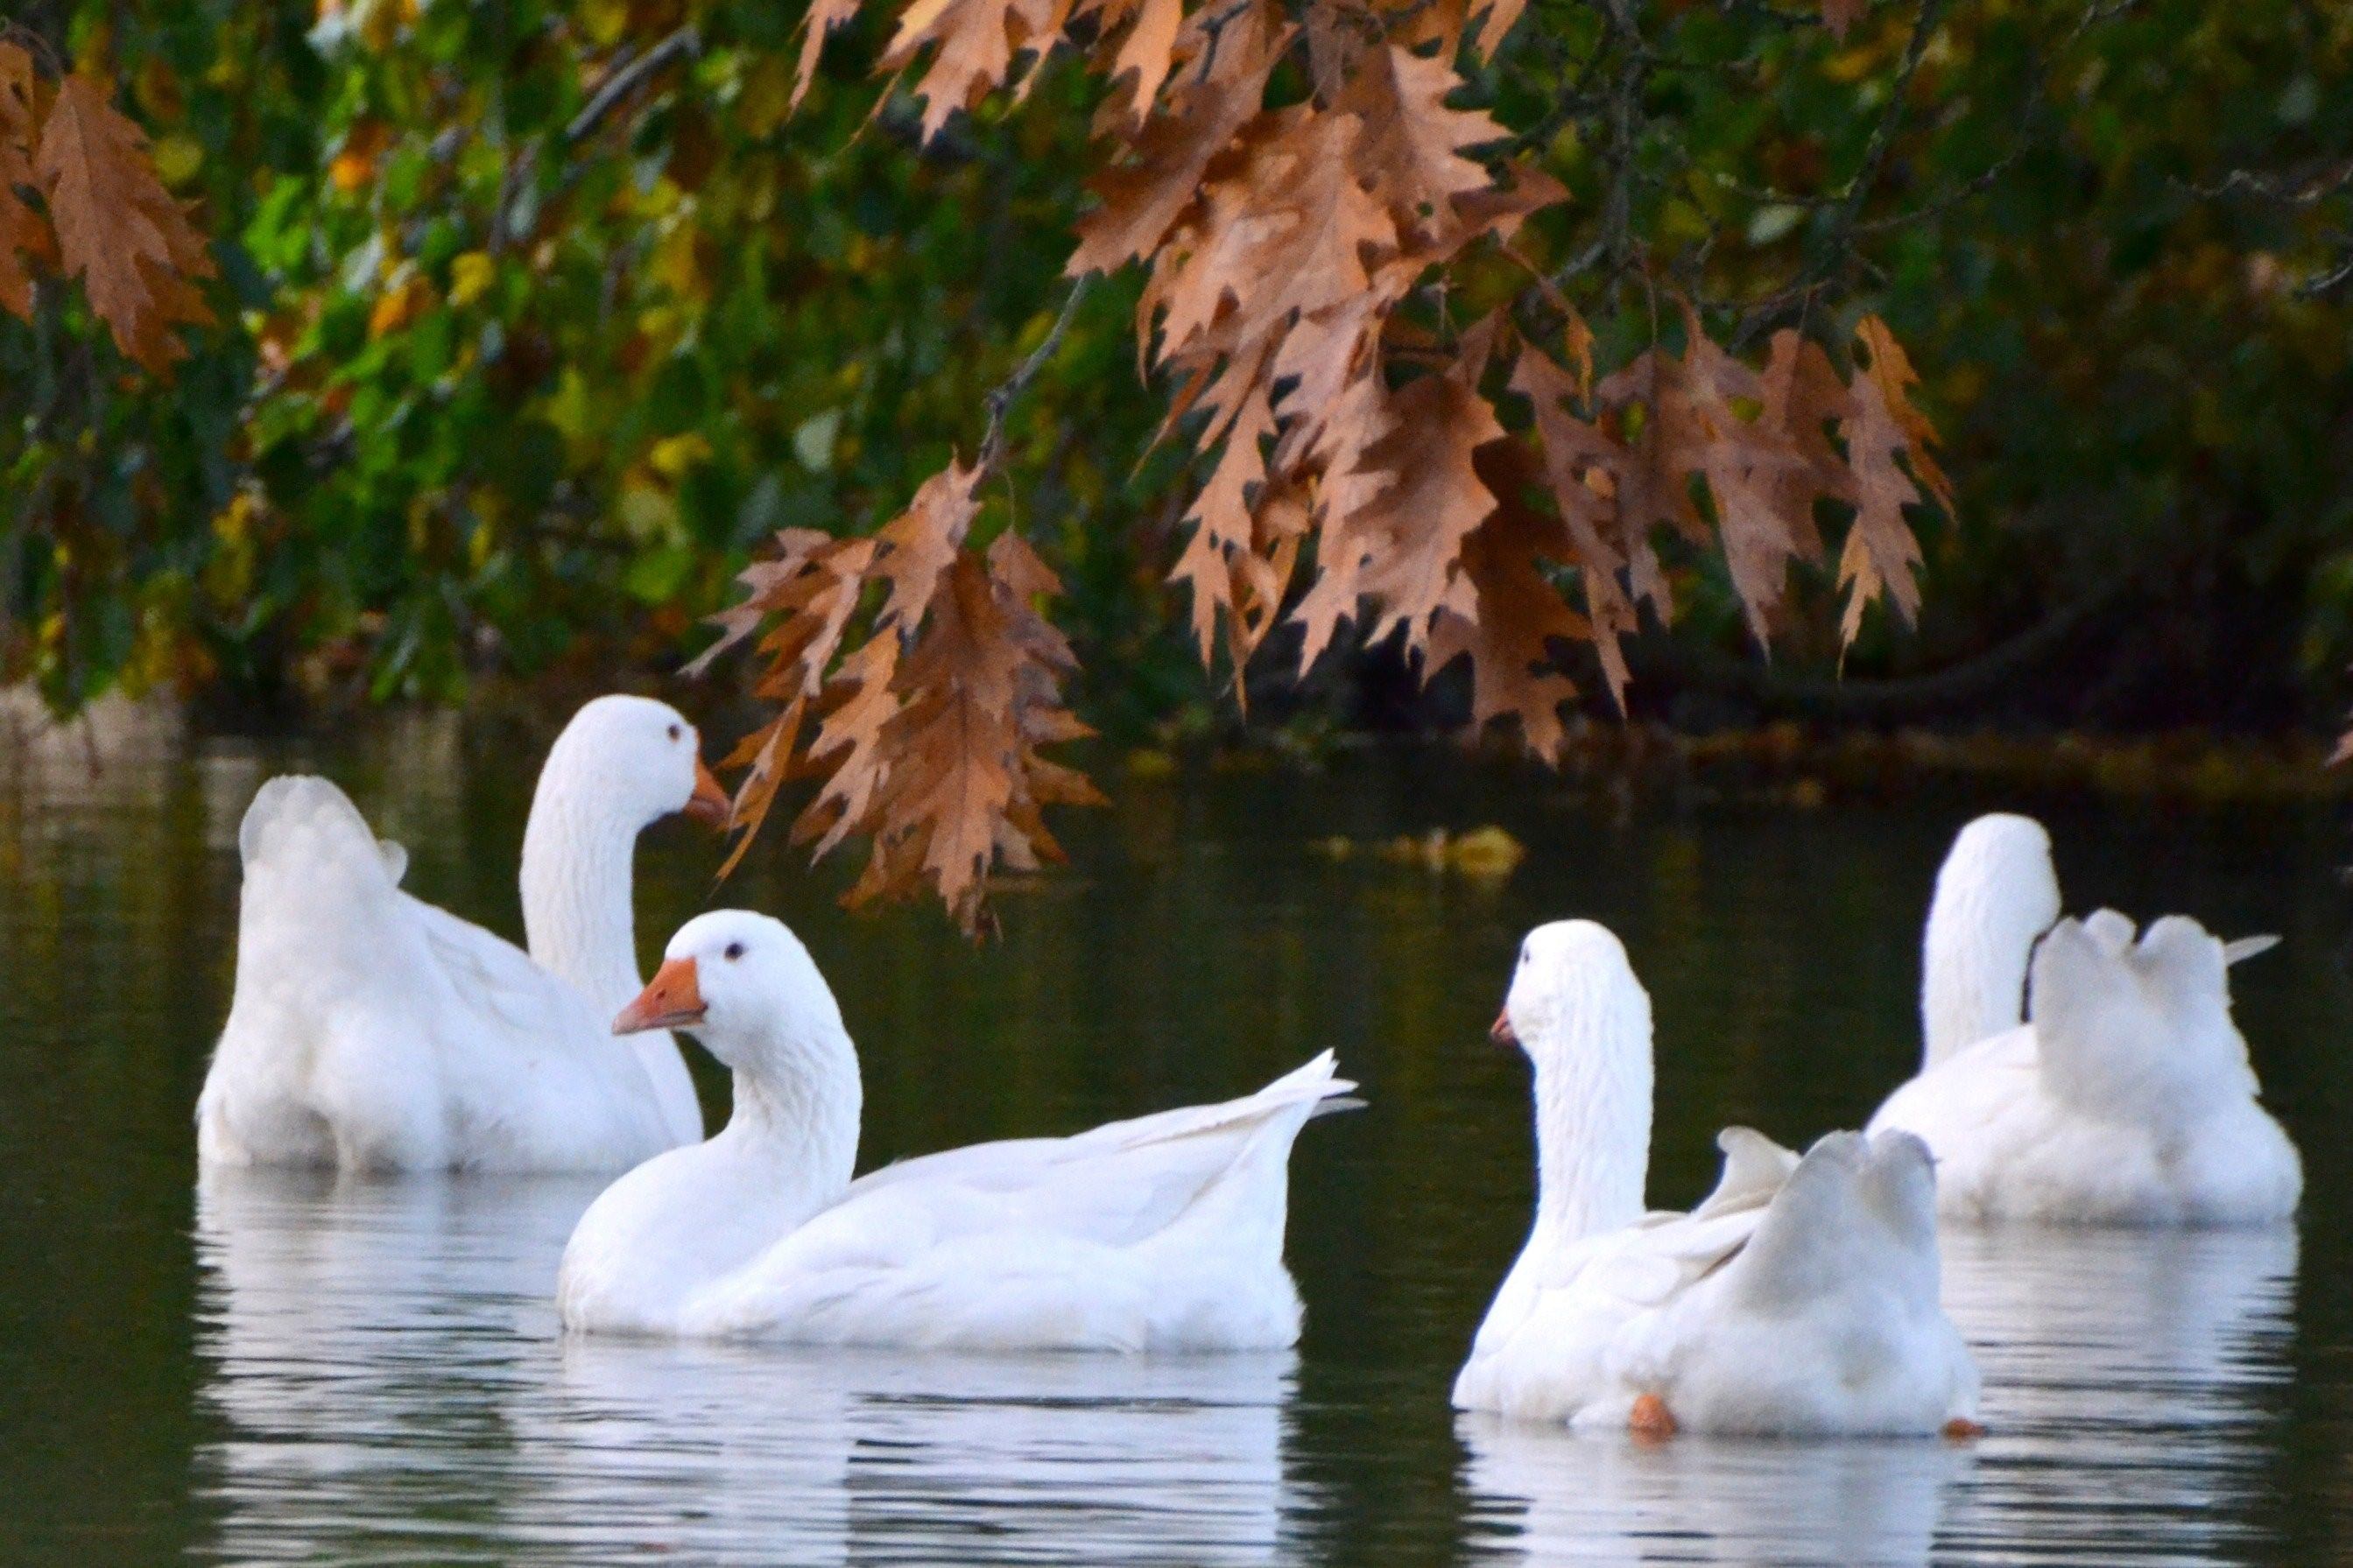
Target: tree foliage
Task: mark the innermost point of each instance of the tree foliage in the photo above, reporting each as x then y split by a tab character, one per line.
1492	332
1302	192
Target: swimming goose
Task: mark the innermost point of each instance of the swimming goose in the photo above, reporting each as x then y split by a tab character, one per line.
1159	1234
370	1030
1799	1299
2125	1098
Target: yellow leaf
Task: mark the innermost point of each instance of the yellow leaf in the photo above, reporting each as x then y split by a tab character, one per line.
648	513
399	305
234	522
178	159
676	266
471	275
567	407
674	456
605	21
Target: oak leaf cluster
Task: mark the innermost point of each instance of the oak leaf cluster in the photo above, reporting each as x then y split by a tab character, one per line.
927	729
80	198
1476	493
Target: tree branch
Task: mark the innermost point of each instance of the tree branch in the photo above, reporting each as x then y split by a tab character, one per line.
1001	399
627	76
1836	254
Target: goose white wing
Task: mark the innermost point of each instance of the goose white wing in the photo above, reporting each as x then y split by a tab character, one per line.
322	913
1853	1208
496	984
1653	1261
2137	1032
369	1029
1114	1183
1164	1230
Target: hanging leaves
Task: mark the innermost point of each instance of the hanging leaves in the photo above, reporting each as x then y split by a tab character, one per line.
1357	472
930	733
104	216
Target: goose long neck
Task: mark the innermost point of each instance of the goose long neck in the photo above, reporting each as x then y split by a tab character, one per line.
799	1112
1991	903
1593	1093
577	914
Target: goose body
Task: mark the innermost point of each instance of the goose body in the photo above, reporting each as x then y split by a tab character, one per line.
370	1030
1799	1299
1164	1233
2124	1096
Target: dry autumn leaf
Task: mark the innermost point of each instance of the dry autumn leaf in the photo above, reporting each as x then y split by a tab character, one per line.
118	229
1354	471
24	237
926	725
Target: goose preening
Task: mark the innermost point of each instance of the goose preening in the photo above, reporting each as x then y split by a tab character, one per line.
1160	1233
1799	1299
2124	1096
370	1030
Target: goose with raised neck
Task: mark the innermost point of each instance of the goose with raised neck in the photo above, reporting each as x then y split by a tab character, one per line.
579	855
2081	1071
369	1029
1586	1023
1164	1233
1996	894
1614	1317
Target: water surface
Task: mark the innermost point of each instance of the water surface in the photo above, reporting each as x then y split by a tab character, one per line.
289	1367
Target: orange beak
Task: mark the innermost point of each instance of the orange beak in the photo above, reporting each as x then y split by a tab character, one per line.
710	802
671	1000
1501	1030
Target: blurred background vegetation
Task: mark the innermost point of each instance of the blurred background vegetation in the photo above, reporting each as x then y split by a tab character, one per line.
523	355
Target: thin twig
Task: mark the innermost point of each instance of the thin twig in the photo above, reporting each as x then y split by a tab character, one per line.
992	443
1838	250
626	79
620	82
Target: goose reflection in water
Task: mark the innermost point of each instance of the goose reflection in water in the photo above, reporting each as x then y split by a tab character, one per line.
385	1377
1569	1498
2128	1376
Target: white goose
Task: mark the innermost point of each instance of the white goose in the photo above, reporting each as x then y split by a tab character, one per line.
370	1030
2126	1098
1160	1233
1799	1299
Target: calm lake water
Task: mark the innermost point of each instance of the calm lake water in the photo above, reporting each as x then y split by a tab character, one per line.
286	1368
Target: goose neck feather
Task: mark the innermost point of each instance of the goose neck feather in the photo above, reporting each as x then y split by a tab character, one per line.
804	1116
1590	1043
579	910
1996	894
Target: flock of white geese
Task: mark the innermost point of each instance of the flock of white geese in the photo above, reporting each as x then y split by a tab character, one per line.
2075	1071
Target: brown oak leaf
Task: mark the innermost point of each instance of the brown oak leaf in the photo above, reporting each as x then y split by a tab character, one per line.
117	228
24	237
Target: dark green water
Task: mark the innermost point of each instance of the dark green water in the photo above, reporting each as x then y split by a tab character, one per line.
370	1374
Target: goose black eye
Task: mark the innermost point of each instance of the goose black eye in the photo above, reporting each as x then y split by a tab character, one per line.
735	950
676	732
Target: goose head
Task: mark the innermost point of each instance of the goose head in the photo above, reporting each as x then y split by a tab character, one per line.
1996	893
1573	990
1575	1008
638	760
743	986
